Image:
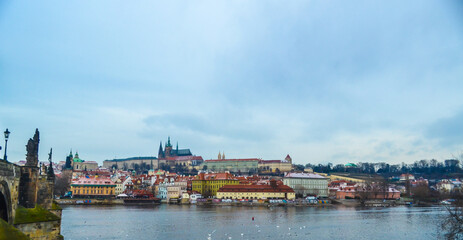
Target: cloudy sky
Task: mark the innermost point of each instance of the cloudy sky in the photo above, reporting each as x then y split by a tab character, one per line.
323	81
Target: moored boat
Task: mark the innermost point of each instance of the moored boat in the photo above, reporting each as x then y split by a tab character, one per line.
139	201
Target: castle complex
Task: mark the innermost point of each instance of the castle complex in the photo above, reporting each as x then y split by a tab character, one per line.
167	156
169	152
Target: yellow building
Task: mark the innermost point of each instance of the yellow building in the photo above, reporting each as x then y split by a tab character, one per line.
93	188
272	191
334	177
272	166
209	184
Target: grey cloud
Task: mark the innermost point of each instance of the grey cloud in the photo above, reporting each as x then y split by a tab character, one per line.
231	127
449	131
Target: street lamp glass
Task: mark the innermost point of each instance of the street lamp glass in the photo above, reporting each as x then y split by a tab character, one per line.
7	133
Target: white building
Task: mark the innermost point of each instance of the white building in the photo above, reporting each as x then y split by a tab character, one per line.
127	181
307	184
119	187
194	197
170	189
448	185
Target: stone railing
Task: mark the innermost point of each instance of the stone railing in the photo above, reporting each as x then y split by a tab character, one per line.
9	169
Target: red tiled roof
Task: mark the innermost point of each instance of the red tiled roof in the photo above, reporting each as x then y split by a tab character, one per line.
93	181
272	161
255	188
182	158
215	176
303	175
233	160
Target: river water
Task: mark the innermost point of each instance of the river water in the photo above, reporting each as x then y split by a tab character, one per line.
227	222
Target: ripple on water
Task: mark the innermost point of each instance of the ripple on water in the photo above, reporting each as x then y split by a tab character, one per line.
194	222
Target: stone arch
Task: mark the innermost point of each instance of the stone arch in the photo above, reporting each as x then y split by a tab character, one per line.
5	202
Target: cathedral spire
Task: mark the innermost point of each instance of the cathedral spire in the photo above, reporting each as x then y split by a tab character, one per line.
161	152
219	156
223	155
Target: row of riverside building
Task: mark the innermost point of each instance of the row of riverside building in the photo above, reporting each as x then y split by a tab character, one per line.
222	178
166	185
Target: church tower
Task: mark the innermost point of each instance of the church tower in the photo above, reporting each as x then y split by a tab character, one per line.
161	152
68	164
288	158
168	148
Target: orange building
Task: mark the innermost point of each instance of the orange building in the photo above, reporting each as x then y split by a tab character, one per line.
93	188
351	192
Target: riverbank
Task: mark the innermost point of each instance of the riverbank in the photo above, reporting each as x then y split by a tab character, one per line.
250	203
86	201
372	203
211	202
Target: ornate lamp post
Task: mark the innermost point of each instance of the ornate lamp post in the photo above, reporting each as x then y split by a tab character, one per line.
7	134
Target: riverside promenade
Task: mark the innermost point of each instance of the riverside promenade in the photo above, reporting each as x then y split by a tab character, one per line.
215	202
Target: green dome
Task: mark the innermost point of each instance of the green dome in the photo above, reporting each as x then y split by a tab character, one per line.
77	159
350	165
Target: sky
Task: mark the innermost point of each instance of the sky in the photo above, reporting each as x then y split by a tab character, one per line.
323	81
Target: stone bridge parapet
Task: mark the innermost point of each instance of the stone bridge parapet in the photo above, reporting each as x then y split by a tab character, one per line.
10	175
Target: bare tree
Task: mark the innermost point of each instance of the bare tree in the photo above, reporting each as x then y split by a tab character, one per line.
453	223
300	190
407	184
63	183
207	193
420	192
363	192
384	186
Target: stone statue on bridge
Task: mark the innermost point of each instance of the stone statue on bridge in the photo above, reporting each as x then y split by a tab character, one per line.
50	172
32	147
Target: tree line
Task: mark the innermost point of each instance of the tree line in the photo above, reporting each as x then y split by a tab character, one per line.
431	169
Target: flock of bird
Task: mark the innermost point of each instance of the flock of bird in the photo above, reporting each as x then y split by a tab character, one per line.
292	232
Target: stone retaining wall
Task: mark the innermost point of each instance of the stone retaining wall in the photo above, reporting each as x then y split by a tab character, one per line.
41	230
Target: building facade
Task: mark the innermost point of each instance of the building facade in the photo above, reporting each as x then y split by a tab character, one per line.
82	165
245	165
272	191
168	190
208	184
93	188
274	166
305	184
129	163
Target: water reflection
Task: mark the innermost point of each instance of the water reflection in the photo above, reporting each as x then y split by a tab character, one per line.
207	222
